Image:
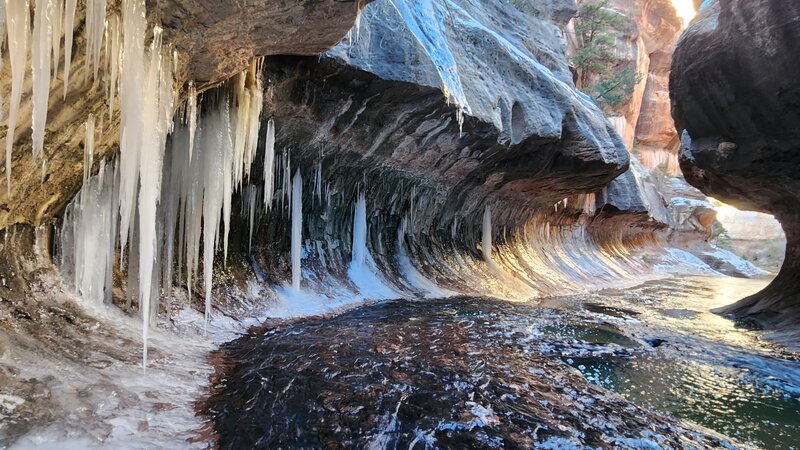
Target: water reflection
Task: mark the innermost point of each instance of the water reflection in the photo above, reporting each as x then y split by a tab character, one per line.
706	369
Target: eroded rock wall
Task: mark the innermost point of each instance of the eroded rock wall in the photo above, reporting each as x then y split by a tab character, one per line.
733	89
646	42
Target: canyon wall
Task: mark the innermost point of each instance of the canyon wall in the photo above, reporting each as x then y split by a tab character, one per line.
449	119
646	42
438	147
734	99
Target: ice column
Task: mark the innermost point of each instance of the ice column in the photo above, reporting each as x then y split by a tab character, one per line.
297	226
360	230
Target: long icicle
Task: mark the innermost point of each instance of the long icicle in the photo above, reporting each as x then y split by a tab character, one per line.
95	27
131	87
191	116
2	39
18	27
297	229
41	49
57	22
269	165
69	28
155	120
115	63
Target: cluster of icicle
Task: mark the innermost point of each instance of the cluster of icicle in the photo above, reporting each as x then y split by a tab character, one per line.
168	176
185	184
41	39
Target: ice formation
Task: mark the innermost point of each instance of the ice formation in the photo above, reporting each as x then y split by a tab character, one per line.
250	200
125	200
360	230
156	122
192	205
269	165
95	28
131	104
166	200
55	33
18	28
297	228
191	115
69	28
41	48
87	237
2	40
114	61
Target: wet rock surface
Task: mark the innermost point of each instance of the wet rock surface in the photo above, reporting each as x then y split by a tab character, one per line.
455	373
735	95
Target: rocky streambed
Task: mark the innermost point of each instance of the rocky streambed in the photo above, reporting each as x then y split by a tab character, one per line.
477	372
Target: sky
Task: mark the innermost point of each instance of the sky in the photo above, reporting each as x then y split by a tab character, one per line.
685	9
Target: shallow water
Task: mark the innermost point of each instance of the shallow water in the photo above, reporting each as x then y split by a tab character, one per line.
484	373
705	368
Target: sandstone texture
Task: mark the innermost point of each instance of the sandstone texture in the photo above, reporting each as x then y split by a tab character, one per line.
734	94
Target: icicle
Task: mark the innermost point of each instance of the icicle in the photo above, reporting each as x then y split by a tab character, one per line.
254	116
155	124
357	25
486	246
175	170
269	163
252	197
131	109
328	195
242	95
360	230
214	150
318	182
287	177
88	149
55	34
297	228
191	107
115	61
227	184
41	49
111	237
95	26
2	39
18	27
69	25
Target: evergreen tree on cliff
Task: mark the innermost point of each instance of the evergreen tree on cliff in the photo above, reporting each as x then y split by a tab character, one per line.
600	72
